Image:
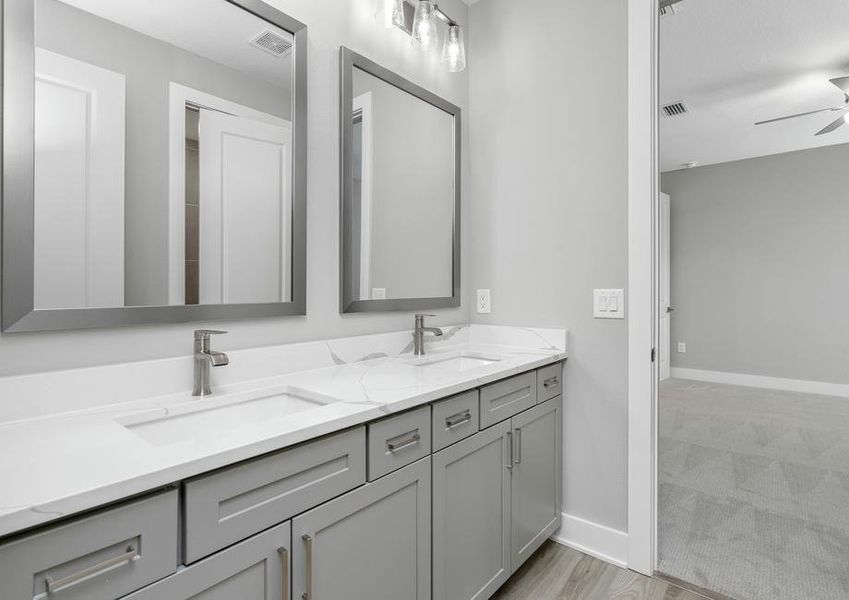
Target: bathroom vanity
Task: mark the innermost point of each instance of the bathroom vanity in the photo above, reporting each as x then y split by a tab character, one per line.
415	477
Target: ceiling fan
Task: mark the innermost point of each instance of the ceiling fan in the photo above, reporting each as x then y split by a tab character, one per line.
843	84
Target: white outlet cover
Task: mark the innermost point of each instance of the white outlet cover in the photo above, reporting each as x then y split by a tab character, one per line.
682	347
483	304
609	304
378	293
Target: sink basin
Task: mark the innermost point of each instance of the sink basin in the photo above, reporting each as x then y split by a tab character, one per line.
211	419
458	363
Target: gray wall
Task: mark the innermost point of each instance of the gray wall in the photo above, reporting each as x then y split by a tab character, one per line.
412	192
331	23
148	66
548	117
760	265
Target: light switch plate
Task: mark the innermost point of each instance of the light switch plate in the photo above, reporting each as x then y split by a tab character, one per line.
609	304
482	304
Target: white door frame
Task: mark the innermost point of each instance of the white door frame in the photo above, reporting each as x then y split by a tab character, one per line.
178	96
642	283
664	302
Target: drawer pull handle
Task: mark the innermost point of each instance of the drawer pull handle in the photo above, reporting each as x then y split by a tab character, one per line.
284	559
402	441
551	381
460	418
58	585
517	448
307	595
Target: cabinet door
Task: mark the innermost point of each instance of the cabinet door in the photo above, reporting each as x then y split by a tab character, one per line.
256	569
535	493
471	516
369	544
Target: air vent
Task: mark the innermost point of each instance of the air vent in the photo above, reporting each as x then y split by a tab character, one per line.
668	7
272	43
675	109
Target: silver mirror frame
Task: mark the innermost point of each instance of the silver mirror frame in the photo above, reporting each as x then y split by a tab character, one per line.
18	311
348	304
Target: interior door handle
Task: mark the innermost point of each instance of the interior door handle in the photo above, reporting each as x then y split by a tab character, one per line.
670	309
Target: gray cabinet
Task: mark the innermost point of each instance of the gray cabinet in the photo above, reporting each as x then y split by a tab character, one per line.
229	505
503	399
371	543
256	569
101	557
455	419
536	472
398	441
471	516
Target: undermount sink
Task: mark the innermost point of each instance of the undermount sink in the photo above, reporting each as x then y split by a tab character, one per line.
458	363
211	419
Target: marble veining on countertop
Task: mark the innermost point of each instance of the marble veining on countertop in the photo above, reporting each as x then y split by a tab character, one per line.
85	448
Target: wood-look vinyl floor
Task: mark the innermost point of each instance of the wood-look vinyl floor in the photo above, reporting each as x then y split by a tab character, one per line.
556	572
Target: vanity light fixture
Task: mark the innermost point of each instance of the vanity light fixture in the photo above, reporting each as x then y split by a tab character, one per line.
425	33
454	51
390	13
421	20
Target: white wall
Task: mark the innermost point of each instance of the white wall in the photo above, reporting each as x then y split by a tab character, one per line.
759	265
548	110
331	23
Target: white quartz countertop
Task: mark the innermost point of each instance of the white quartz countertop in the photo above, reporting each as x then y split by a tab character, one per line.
54	465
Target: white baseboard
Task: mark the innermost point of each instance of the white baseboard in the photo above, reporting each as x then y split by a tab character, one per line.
760	381
604	543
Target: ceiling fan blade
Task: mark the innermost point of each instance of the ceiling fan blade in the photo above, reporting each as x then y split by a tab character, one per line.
842	83
840	122
804	114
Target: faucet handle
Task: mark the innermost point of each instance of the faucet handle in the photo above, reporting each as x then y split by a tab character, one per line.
203	334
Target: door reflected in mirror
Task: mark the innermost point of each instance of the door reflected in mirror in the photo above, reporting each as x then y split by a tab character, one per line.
163	155
402	201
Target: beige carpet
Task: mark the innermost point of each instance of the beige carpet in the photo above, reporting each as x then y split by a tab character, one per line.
754	491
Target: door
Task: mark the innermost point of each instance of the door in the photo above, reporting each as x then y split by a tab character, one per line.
371	543
471	516
535	492
79	184
665	309
256	569
245	209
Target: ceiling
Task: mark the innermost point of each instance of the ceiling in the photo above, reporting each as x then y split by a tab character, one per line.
219	31
737	62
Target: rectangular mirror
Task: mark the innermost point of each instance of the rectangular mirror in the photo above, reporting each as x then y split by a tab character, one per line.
155	162
400	192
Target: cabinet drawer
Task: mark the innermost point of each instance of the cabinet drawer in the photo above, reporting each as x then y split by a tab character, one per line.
398	441
101	557
549	382
503	399
230	505
455	419
256	569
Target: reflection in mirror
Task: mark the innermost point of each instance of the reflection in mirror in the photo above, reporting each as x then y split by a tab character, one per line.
163	155
402	199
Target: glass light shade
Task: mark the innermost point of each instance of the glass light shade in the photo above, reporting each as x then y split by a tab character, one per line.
390	13
425	34
454	50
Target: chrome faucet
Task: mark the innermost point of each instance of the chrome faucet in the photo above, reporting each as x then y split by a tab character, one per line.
418	334
204	357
